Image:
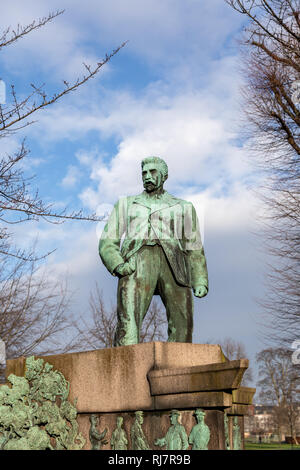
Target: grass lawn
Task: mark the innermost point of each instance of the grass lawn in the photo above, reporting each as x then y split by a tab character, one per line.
271	446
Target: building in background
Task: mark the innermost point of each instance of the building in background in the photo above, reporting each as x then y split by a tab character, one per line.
261	425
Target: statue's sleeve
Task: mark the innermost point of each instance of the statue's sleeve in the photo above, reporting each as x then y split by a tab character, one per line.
112	440
191	437
109	244
185	442
195	250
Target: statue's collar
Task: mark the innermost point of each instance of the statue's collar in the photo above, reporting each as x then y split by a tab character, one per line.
157	203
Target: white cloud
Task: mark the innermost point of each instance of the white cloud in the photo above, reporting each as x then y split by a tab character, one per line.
157	26
195	141
171	33
194	130
61	46
72	177
234	212
90	198
9	146
86	157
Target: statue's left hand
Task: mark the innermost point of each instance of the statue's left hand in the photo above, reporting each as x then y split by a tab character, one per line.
200	291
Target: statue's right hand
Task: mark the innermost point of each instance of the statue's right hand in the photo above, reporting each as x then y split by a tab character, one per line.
124	270
159	442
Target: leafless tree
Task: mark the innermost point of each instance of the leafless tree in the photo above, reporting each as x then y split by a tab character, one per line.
280	386
270	53
35	316
19	200
99	329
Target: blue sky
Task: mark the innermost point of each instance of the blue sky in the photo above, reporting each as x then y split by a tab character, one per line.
172	91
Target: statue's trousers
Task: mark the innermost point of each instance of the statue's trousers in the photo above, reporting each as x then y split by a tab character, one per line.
152	275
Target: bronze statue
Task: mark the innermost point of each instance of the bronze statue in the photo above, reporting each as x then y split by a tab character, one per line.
161	254
176	437
138	438
119	439
200	434
97	439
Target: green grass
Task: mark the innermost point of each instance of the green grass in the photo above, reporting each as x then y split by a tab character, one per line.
271	446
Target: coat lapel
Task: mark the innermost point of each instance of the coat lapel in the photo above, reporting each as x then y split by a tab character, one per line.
166	201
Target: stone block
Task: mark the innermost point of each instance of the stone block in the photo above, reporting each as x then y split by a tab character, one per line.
238	410
115	379
243	395
223	376
193	400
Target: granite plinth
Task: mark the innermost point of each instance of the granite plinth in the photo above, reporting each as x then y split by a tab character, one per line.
224	376
243	395
154	378
115	379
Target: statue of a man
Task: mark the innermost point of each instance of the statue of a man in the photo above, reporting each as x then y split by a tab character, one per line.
161	254
119	439
138	438
200	434
97	439
176	437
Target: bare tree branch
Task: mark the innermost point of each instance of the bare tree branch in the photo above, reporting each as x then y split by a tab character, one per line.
19	201
270	56
98	330
10	36
34	310
21	110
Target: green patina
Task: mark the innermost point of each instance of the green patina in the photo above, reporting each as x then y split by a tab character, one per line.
161	254
176	437
200	434
119	439
138	438
35	413
97	439
226	431
237	438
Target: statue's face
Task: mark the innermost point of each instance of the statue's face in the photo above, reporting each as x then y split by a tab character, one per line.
152	177
174	419
119	421
94	420
140	419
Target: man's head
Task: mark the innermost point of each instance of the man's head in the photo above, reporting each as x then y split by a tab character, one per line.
199	415
119	421
174	416
154	173
94	420
139	416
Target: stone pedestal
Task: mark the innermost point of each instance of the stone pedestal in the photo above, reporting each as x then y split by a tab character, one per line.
155	378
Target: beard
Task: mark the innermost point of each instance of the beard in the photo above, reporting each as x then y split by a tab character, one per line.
150	186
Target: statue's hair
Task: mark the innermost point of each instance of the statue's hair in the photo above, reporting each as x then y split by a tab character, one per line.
163	167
